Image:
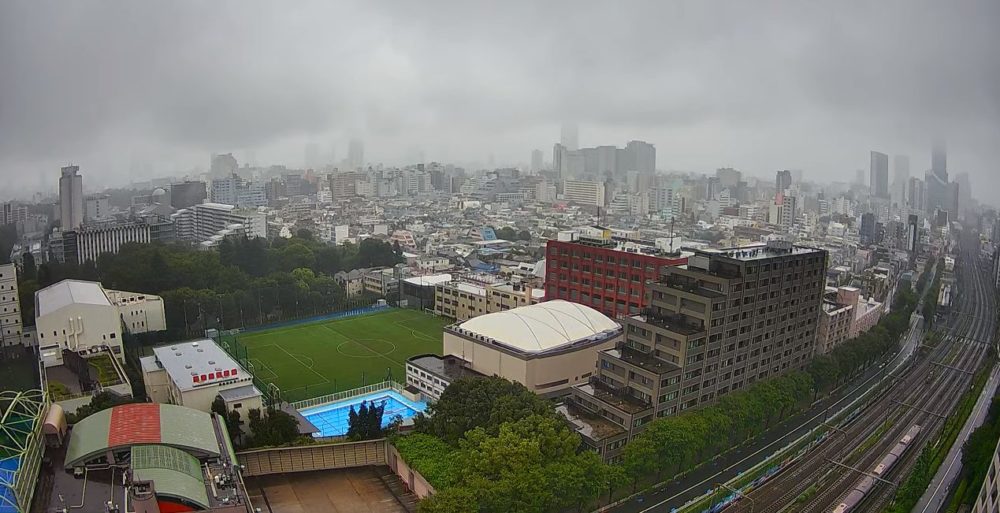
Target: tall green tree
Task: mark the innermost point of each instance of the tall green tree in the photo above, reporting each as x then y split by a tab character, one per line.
481	402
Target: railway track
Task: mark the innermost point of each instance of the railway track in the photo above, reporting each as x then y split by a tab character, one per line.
828	480
983	329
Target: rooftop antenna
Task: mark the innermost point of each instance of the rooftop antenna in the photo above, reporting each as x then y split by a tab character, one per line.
671	233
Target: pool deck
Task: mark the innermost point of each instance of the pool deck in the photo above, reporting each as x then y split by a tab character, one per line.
355	401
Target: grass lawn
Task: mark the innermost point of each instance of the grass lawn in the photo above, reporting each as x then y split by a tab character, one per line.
321	358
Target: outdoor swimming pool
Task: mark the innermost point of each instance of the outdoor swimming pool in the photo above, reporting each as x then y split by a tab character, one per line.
331	419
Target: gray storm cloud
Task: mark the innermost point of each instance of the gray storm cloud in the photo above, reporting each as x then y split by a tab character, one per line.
756	85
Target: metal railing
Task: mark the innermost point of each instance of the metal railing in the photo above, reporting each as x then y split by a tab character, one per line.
347	394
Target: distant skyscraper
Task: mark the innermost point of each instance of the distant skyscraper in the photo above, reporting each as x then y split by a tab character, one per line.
879	175
559	160
536	160
638	156
939	160
570	136
900	176
223	165
70	198
355	154
941	194
783	180
915	194
964	193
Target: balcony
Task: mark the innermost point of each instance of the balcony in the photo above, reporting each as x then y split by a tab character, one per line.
689	287
674	322
645	361
618	397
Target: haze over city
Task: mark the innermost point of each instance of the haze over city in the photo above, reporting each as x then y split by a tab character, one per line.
131	91
519	257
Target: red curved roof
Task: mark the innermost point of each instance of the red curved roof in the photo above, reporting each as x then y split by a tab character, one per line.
137	423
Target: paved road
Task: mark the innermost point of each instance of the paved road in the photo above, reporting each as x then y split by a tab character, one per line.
731	464
937	492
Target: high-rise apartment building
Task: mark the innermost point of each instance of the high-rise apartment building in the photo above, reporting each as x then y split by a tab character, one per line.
234	190
209	223
916	195
604	273
70	198
912	233
537	161
728	319
782	180
879	175
10	309
867	230
585	192
12	213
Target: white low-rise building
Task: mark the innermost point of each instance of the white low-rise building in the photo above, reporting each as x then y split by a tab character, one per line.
548	347
83	317
194	373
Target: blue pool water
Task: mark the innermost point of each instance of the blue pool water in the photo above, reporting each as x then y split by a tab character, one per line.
331	419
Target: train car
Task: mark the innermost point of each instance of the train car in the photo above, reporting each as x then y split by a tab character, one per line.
866	483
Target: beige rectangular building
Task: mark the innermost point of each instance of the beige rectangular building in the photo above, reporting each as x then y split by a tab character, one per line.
462	300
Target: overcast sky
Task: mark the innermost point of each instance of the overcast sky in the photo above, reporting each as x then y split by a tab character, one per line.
133	89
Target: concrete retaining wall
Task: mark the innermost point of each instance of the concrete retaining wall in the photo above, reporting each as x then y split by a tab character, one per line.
307	458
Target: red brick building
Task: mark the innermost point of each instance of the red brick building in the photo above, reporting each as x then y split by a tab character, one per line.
597	273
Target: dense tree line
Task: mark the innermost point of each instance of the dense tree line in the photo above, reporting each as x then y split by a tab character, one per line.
471	403
678	443
931	301
272	427
508	233
491	445
977	454
246	282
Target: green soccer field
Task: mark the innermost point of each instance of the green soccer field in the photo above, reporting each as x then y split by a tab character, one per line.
311	360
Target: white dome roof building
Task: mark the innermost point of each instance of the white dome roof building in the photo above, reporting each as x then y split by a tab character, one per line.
548	346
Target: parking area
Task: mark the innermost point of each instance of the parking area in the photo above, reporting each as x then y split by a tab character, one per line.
356	490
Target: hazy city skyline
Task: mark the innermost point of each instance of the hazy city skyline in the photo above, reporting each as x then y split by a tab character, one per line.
130	90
